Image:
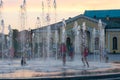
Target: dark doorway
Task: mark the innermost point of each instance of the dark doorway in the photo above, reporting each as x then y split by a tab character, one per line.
114	43
68	42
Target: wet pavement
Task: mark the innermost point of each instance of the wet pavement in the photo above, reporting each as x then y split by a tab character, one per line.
54	68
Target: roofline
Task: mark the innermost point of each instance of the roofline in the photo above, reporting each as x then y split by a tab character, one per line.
59	24
82	16
112	29
103	10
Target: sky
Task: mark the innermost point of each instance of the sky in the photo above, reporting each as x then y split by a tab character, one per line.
10	11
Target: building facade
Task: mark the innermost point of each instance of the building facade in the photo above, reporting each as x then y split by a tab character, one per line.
112	28
110	23
90	24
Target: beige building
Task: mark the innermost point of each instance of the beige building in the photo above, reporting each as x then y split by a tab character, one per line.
80	19
90	25
112	28
110	23
113	40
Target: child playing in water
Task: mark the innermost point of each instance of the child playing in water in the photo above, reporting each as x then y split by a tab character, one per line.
63	52
23	61
84	57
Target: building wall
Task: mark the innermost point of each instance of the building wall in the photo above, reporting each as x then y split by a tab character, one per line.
109	40
90	24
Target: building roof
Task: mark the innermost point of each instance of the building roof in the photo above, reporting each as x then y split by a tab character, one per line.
69	20
82	16
103	13
111	25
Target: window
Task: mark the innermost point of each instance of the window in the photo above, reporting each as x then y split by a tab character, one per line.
94	16
96	43
107	17
114	43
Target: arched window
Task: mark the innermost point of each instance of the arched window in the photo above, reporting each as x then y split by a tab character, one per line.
94	16
96	43
114	43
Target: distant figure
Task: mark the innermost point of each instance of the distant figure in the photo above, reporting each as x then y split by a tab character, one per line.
23	61
63	52
105	55
68	45
12	52
84	57
71	52
29	53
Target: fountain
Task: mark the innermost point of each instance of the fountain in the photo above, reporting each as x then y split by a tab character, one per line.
56	43
63	36
43	34
84	35
3	38
93	42
11	53
33	45
23	20
48	37
56	31
77	38
52	66
38	25
1	6
102	39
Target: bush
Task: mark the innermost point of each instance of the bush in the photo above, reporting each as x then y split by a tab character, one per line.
114	52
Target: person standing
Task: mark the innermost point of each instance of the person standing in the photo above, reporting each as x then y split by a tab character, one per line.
63	52
84	57
29	53
23	61
71	52
11	52
105	55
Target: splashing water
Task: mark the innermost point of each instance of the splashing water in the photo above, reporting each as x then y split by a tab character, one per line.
77	38
63	31
101	39
56	43
3	38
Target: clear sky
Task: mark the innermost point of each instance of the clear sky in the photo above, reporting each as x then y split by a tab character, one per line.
65	9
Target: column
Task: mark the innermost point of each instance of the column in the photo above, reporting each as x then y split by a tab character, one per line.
108	42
